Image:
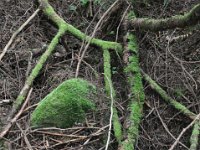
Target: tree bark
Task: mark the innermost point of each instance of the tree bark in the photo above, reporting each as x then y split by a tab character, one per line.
178	21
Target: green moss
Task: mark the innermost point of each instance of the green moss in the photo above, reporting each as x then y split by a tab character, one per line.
107	71
65	105
19	100
62	25
36	70
110	90
168	99
127	145
131	15
49	10
194	139
137	93
117	126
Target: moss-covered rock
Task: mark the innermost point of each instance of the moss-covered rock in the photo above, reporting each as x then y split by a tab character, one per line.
65	105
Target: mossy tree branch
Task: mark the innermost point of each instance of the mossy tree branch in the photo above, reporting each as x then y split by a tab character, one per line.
137	94
179	21
36	70
134	78
168	99
194	139
63	28
109	88
53	16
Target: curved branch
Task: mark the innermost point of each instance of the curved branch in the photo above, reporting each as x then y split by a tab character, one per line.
53	16
178	21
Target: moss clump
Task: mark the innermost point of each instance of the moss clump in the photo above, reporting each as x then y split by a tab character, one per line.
65	105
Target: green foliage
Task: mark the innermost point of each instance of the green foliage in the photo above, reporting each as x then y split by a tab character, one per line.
72	7
179	92
97	2
84	2
166	3
131	15
65	105
114	70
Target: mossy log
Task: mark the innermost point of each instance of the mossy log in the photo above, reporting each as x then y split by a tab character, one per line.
168	99
179	21
65	105
137	94
194	139
110	90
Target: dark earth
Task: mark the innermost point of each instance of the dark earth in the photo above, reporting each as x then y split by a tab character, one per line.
174	65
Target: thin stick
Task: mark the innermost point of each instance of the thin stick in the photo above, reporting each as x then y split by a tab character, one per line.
183	131
165	126
17	32
92	36
9	125
111	114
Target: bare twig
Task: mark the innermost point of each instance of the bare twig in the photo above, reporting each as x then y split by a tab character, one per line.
9	125
92	36
165	126
183	131
25	137
17	32
111	114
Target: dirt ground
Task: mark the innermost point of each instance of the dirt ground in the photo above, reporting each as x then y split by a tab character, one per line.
174	65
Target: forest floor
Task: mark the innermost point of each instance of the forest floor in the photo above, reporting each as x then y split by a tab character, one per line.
175	66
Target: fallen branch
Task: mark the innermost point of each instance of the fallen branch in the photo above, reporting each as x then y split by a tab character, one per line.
168	99
194	139
17	32
137	96
110	91
36	70
53	16
178	21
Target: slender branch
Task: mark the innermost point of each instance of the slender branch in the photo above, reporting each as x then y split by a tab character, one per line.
9	125
111	112
92	36
179	21
167	98
17	32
